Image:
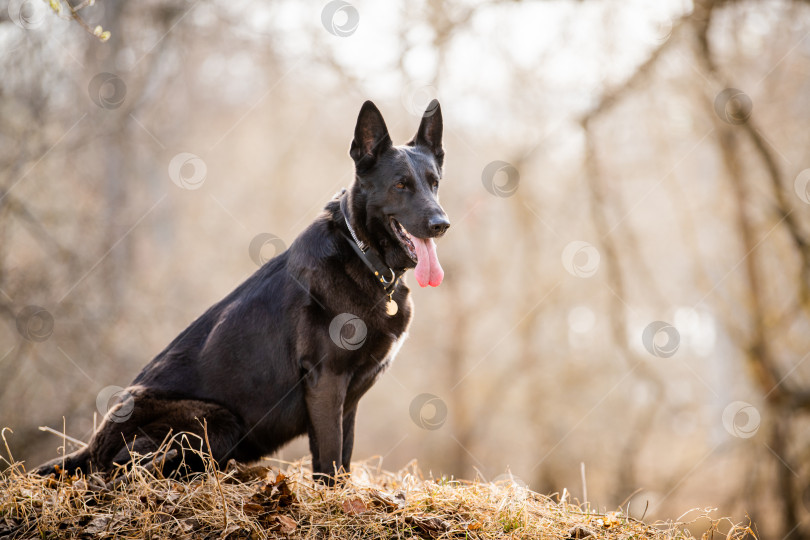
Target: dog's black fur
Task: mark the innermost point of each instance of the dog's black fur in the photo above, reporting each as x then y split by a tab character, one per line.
259	367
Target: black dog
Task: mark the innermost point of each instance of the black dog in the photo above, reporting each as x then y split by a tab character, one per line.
293	348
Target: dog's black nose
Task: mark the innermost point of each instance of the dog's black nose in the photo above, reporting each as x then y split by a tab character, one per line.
438	225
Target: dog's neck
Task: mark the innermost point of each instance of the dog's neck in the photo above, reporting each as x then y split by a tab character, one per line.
387	277
360	243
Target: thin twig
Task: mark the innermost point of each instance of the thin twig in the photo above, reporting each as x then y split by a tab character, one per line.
63	435
10	460
215	472
64	442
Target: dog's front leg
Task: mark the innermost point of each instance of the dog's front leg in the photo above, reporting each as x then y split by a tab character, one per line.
325	393
348	437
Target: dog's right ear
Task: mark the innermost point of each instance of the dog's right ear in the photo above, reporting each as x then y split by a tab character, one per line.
371	137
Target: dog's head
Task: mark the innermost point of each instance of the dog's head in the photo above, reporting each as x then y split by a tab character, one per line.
396	192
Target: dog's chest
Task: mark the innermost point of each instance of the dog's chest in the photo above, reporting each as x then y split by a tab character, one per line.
394	350
372	366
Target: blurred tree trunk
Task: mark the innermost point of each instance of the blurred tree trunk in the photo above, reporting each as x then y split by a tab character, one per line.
760	358
116	148
783	401
638	431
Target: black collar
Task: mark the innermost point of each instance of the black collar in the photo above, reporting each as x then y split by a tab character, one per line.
388	277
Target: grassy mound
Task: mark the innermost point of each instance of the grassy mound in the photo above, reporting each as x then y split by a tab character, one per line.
282	501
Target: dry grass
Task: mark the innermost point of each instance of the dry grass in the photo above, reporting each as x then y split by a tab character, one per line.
282	501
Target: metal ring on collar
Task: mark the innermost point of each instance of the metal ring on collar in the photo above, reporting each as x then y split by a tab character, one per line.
390	281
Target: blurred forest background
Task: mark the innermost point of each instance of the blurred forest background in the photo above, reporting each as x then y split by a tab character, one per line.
627	292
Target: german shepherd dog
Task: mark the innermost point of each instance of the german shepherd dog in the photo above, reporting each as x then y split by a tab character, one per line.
293	348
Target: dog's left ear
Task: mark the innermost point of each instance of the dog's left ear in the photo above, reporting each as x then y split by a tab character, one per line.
429	134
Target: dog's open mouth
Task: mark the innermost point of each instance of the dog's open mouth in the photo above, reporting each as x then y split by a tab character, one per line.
422	251
405	239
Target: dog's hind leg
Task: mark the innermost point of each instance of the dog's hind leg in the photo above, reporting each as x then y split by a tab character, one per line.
151	420
188	426
106	442
70	463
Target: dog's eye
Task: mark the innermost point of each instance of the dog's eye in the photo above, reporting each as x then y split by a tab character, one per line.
400	185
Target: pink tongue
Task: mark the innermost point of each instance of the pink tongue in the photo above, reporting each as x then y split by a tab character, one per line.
428	270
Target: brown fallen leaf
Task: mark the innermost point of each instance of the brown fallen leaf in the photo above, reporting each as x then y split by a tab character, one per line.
431	525
232	529
390	503
354	506
190	524
284	524
578	532
240	472
98	524
252	508
274	493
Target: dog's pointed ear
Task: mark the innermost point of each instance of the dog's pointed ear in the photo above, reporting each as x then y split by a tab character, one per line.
429	134
371	137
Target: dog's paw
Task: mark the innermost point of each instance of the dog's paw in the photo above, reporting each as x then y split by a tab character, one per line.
47	469
324	479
